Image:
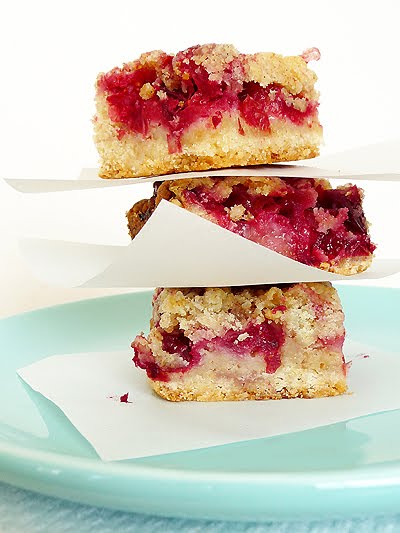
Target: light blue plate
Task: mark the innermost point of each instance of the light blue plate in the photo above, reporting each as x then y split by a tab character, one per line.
337	471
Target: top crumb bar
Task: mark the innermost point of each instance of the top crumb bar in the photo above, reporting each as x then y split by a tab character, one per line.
206	107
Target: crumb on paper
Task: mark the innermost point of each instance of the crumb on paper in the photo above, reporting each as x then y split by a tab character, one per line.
122	399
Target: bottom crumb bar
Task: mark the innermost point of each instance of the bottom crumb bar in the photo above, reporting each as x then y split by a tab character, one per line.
245	343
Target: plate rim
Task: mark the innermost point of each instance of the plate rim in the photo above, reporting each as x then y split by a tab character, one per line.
80	464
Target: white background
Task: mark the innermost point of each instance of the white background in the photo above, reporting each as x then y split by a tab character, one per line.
51	53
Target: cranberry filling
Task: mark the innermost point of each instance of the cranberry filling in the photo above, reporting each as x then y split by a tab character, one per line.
265	339
190	97
302	221
176	342
143	358
258	105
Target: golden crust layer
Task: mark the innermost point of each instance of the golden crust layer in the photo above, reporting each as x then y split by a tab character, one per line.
181	394
203	147
310	314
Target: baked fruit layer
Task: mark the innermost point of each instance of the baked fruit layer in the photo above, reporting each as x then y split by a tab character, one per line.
304	219
205	107
243	343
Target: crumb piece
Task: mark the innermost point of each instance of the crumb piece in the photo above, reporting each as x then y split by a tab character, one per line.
147	91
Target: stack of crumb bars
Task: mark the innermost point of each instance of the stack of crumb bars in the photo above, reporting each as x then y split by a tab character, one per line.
212	107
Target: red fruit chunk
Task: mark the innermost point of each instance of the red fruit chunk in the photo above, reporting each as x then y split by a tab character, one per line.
176	342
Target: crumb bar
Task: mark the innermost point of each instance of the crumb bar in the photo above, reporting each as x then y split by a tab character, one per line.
205	107
244	343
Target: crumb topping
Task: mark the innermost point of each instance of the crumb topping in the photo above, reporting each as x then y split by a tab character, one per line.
147	91
221	309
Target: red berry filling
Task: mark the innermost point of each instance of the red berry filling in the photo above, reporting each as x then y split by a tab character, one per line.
176	342
259	105
301	220
177	92
266	339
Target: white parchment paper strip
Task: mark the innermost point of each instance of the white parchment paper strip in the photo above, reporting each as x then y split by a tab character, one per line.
82	386
373	162
175	248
